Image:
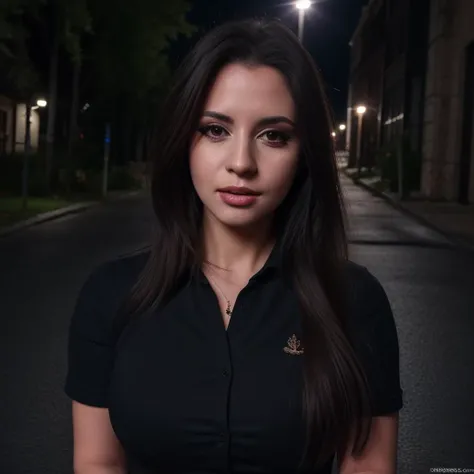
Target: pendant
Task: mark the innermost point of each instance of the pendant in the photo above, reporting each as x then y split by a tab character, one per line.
228	310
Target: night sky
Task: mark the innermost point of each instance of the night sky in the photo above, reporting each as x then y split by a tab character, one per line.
329	26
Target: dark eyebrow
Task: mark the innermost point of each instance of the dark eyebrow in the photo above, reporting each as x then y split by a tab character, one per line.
218	116
262	123
275	120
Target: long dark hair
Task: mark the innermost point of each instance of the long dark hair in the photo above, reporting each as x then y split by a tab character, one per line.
310	224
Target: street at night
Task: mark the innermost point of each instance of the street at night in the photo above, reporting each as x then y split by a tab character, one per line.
211	129
428	282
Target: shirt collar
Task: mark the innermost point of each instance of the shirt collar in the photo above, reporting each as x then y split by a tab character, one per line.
274	261
273	264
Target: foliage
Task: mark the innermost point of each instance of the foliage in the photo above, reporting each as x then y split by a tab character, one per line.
19	72
11	208
74	19
86	180
121	49
11	175
120	178
127	48
130	41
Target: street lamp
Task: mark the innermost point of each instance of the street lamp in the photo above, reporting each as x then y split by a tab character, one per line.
342	127
361	110
27	150
39	103
302	6
333	134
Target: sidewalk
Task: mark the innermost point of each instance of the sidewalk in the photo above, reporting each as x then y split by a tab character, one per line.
454	220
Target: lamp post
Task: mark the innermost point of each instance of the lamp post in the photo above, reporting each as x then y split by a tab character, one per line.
340	137
360	110
302	6
27	149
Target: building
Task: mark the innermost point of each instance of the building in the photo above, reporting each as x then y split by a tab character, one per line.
13	126
389	49
448	145
427	99
366	82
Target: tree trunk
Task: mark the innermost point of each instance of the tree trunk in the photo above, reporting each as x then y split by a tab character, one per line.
73	124
139	149
52	102
26	157
127	136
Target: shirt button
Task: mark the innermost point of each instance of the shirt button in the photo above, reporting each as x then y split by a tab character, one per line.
225	373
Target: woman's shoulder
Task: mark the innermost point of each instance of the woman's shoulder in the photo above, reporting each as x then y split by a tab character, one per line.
104	291
359	278
94	328
367	297
111	276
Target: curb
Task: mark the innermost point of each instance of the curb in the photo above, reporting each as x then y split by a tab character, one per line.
455	241
63	211
47	216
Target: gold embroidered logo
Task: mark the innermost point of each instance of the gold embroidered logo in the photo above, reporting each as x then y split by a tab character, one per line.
294	346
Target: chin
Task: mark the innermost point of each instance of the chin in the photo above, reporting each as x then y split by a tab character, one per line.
241	218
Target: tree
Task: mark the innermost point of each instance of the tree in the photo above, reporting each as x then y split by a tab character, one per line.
77	21
67	19
20	77
19	73
118	50
70	19
129	64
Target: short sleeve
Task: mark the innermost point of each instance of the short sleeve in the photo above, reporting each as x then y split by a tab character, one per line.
90	348
377	345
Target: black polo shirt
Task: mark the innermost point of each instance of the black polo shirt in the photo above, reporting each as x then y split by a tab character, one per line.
187	396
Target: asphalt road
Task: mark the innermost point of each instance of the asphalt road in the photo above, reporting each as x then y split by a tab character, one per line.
430	285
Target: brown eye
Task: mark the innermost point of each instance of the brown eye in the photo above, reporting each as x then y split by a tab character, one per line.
214	132
276	138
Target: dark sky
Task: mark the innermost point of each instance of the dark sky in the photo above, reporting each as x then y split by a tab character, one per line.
328	28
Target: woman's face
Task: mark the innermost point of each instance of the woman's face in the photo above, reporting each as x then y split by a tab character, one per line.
244	156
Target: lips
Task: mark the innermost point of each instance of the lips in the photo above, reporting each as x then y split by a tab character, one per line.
238	196
239	190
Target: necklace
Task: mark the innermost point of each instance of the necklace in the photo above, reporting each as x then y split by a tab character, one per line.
228	309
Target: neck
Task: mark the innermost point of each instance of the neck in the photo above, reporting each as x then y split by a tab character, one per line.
243	251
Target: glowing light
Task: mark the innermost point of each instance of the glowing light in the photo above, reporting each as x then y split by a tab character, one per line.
303	4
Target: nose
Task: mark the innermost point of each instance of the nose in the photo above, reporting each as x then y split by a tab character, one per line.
241	159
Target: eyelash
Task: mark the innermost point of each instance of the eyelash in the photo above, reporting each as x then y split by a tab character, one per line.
284	138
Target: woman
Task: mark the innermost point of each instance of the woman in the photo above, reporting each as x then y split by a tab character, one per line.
250	343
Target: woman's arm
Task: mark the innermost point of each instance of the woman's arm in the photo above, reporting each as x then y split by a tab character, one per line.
96	448
380	454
